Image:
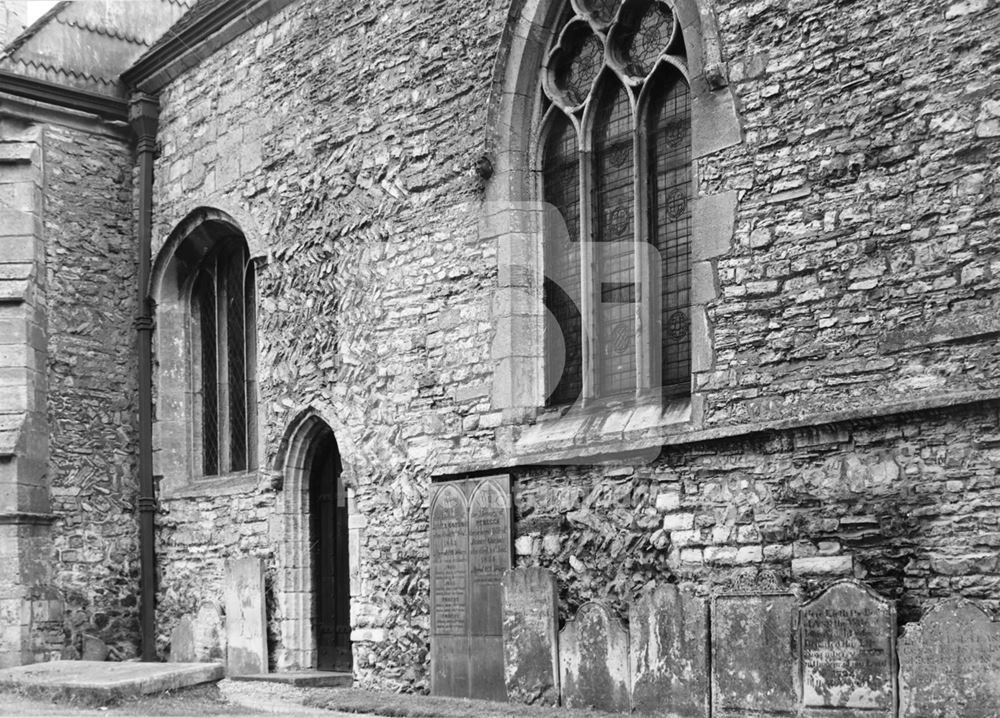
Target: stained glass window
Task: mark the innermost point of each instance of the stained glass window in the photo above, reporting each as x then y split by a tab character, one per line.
636	189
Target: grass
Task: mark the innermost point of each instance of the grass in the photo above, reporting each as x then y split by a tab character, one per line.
200	700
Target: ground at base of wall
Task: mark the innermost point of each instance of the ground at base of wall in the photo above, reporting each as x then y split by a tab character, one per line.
398	705
237	698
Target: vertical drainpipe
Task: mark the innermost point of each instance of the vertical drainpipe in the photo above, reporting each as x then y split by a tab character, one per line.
143	114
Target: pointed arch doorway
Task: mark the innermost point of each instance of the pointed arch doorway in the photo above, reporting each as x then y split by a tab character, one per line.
328	547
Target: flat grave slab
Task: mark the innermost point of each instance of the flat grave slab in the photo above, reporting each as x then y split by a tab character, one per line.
94	682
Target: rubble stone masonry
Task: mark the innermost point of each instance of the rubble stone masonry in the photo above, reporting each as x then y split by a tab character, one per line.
849	421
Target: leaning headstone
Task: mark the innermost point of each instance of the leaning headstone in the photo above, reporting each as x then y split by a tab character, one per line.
182	641
449	558
754	651
949	663
530	622
668	638
246	624
848	653
593	657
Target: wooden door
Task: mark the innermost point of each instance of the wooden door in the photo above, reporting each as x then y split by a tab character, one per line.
331	577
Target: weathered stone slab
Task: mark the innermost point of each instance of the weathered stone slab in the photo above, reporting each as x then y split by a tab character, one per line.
198	637
470	550
94	649
848	653
593	657
755	652
182	641
246	623
530	623
668	641
949	663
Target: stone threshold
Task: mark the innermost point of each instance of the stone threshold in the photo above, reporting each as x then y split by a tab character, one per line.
303	679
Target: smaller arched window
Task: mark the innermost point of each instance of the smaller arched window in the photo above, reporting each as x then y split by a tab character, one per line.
223	351
616	171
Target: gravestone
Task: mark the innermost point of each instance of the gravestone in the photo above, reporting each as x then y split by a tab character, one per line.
246	624
848	653
449	554
470	549
949	663
755	651
530	621
182	641
668	639
593	658
94	649
198	637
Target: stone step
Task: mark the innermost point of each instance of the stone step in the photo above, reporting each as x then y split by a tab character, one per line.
99	682
303	679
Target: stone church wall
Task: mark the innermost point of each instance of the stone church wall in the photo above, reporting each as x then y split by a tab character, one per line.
861	274
90	281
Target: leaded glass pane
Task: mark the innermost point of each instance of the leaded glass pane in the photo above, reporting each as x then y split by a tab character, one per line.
561	187
613	232
670	224
236	354
204	299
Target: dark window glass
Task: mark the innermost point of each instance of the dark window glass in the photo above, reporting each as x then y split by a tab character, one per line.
204	293
223	301
614	193
669	178
561	181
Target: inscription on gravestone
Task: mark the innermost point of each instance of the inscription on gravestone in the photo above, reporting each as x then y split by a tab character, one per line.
449	554
489	557
246	626
949	663
848	652
754	652
470	549
593	657
668	641
531	656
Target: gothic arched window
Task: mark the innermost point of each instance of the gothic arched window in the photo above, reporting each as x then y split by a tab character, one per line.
616	171
223	352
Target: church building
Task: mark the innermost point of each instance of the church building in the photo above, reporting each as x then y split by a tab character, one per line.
707	287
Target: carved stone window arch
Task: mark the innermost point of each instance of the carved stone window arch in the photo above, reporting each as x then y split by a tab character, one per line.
520	125
205	410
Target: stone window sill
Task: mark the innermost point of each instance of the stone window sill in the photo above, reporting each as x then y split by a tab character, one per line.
240	482
627	433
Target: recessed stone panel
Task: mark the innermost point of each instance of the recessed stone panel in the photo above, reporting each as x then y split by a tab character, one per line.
593	657
530	622
668	641
848	653
755	653
949	663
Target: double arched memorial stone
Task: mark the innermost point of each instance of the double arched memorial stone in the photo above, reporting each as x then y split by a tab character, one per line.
470	549
949	664
593	655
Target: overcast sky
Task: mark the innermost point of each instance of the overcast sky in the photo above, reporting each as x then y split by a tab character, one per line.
37	8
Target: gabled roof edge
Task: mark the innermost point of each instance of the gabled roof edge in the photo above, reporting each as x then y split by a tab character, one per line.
189	46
